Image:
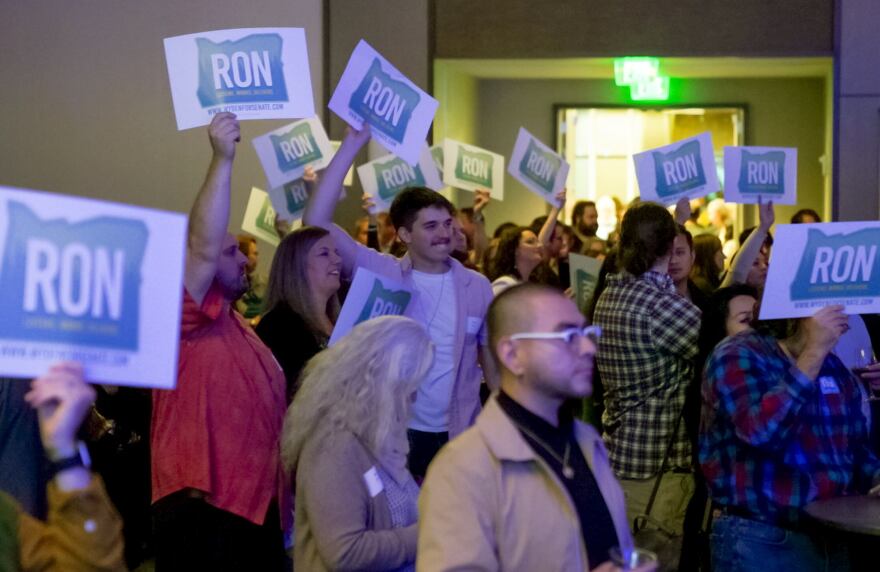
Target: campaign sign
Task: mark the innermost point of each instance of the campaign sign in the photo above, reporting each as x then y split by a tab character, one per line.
386	176
371	295
289	200
437	155
90	281
256	73
286	152
816	265
584	275
768	173
259	217
349	175
471	168
685	168
372	91
537	167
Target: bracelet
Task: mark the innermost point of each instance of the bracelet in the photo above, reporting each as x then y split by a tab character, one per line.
79	459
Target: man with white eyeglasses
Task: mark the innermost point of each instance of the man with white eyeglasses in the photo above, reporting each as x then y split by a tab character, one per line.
527	487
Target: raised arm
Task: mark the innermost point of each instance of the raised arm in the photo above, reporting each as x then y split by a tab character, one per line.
739	269
481	240
546	234
209	216
322	203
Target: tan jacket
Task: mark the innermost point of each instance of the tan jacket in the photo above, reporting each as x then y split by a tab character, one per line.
490	503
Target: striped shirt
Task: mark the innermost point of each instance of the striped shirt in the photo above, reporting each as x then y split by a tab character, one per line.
645	360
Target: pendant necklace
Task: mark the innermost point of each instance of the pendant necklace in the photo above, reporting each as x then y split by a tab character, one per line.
567	470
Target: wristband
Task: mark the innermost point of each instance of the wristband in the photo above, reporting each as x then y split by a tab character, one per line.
79	459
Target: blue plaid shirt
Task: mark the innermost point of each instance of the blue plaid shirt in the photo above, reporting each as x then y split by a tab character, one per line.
771	439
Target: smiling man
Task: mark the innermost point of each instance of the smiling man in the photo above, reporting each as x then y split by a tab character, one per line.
528	487
451	301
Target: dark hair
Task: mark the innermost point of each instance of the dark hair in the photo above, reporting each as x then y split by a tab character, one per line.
680	230
504	261
744	235
502	227
714	328
538	223
705	272
646	235
468	213
577	213
798	217
409	202
609	266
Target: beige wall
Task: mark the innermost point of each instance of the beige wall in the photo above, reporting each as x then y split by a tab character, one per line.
86	108
780	112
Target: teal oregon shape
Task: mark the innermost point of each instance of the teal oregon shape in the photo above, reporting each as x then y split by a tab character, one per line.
762	173
384	302
540	166
73	283
586	283
396	175
266	217
386	104
679	171
296	148
242	71
437	155
837	266
474	167
296	195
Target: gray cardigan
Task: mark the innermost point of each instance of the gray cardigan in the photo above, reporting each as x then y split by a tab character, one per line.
338	525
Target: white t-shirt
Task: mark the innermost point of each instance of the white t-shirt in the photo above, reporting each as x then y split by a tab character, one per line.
436	309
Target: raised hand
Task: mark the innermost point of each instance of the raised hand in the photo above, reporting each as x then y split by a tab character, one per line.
62	399
224	132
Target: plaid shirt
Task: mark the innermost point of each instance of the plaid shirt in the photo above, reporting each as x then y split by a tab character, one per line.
645	362
772	440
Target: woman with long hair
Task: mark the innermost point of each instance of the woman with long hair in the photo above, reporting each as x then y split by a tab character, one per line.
301	300
708	263
518	253
345	440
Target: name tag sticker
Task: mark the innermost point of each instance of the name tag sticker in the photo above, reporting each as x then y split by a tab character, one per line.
828	385
373	482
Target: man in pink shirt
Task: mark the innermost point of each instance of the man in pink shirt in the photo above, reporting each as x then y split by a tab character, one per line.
218	489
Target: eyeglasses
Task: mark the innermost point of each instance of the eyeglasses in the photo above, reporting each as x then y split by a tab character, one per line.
592	333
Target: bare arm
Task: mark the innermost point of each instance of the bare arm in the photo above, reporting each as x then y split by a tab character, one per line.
546	234
744	259
209	216
481	241
322	203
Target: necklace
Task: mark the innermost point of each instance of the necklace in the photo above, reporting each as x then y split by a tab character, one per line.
437	306
567	470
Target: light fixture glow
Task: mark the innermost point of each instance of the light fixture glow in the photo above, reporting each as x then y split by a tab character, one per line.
642	75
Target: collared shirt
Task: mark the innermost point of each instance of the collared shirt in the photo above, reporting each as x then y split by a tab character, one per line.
551	444
473	294
771	439
219	430
645	360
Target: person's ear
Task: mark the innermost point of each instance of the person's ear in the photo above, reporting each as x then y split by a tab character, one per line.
404	235
509	356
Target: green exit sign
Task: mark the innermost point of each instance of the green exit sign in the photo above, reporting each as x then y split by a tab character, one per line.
642	75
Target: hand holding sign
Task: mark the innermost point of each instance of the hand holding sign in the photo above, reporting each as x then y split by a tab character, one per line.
766	214
224	133
682	210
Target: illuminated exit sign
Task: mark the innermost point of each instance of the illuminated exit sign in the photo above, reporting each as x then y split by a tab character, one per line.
642	75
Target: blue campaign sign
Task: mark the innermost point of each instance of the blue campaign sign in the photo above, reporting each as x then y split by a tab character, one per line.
394	176
286	152
684	169
384	302
816	265
385	177
372	91
256	73
89	281
371	295
538	167
760	173
295	148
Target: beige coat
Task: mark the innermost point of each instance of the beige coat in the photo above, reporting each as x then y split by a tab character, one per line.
490	503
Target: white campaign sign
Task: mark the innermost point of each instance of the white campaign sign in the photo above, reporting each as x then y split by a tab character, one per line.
90	281
538	167
584	274
437	155
372	91
256	73
471	168
685	168
371	295
817	265
386	176
259	217
286	152
768	173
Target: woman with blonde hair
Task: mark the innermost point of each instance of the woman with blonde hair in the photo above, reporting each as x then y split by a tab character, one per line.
345	440
301	300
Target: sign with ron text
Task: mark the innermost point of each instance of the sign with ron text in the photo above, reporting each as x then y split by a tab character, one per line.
372	91
471	168
817	265
90	281
385	177
685	168
584	274
538	167
370	296
256	73
259	217
286	152
765	173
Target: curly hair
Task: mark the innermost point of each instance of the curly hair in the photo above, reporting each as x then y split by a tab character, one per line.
504	262
646	235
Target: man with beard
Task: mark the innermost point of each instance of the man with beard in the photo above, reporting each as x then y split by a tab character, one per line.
218	487
585	220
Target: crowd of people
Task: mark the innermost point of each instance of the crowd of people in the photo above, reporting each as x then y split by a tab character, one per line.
494	426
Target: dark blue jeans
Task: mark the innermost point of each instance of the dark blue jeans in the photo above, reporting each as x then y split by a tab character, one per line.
744	545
